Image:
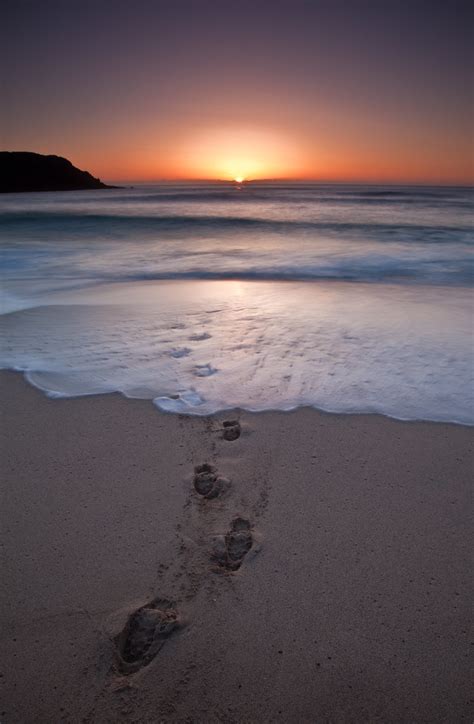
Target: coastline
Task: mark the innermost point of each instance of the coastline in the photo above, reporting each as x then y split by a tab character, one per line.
352	603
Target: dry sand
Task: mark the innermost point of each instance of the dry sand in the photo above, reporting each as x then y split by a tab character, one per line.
340	596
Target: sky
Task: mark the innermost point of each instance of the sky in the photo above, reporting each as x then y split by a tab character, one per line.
336	90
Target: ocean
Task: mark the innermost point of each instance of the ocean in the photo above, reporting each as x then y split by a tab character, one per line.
205	297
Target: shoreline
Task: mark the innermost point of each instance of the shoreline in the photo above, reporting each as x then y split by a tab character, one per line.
199	347
351	603
229	410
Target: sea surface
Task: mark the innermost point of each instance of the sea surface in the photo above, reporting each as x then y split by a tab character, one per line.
205	297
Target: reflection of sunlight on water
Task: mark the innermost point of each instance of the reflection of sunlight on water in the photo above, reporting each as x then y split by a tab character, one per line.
240	289
201	346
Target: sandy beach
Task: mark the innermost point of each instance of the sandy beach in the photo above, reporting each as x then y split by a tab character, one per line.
236	369
316	571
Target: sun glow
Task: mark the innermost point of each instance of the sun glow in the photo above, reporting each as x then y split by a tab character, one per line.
237	154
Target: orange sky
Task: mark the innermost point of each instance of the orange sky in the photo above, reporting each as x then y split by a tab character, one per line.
262	152
160	90
363	151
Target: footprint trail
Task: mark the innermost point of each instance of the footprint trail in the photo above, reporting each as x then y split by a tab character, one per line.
231	430
145	633
231	551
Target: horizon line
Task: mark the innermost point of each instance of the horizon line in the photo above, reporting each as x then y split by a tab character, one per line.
326	182
427	182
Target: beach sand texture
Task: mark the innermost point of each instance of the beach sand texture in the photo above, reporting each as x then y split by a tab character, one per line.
294	567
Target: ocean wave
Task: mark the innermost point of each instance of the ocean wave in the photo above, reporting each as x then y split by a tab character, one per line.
391	271
379	274
95	224
458	198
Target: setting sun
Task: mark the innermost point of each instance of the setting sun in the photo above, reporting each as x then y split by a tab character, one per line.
237	154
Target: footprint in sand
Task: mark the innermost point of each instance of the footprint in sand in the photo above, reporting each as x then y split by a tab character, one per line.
208	482
180	352
205	370
199	337
145	633
231	430
232	549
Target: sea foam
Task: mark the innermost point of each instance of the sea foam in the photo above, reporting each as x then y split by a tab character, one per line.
199	347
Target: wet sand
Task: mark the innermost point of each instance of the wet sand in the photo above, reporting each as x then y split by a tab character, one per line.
310	567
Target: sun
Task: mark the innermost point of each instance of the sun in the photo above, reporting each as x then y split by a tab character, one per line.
236	154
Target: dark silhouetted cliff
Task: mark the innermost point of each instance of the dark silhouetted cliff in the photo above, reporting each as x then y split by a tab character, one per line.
25	171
